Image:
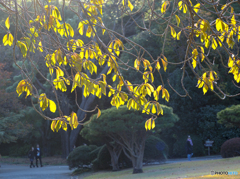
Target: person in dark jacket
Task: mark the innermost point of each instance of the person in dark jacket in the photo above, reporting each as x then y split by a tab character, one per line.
189	148
38	155
31	155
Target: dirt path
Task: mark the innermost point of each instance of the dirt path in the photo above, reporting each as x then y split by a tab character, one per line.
24	172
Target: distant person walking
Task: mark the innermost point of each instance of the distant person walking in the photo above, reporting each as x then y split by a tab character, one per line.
31	155
189	148
38	155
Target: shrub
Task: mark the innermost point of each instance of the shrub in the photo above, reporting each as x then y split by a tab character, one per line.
95	165
94	153
104	158
19	150
179	148
231	148
93	147
155	149
80	156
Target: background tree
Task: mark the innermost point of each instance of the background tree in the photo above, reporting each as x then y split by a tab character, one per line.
11	127
229	116
125	127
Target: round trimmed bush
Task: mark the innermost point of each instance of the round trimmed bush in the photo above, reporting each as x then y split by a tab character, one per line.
80	156
104	158
155	149
179	147
231	148
95	165
93	154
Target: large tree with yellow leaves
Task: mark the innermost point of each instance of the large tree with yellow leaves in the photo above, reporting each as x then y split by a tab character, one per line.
79	64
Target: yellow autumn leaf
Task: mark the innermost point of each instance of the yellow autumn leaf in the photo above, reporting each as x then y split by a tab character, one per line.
99	113
196	7
233	20
185	8
40	47
165	63
178	35
211	76
23	48
129	86
64	125
158	66
53	125
200	83
130	5
202	57
24	86
177	19
225	5
137	64
202	49
52	106
205	89
153	124
159	109
114	78
214	44
230	62
180	5
194	58
207	43
8	39
148	124
58	125
73	120
164	7
238	33
220	25
173	32
43	101
153	109
165	94
81	28
7	23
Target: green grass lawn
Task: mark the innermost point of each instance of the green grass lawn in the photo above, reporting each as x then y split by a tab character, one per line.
193	169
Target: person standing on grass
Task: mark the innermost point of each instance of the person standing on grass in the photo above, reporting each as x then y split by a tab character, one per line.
189	148
31	155
38	155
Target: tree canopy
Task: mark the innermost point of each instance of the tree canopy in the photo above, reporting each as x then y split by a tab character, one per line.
229	116
84	57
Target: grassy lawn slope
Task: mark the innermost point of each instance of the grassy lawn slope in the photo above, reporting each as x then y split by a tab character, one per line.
193	169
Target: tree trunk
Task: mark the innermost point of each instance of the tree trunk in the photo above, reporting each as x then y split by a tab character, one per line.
65	143
86	105
135	151
138	163
115	151
114	161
